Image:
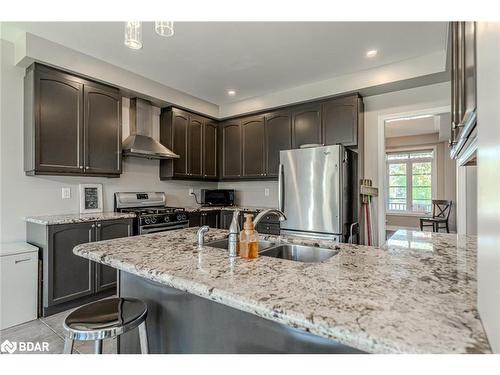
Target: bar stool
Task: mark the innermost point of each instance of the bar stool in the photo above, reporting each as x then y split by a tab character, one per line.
105	319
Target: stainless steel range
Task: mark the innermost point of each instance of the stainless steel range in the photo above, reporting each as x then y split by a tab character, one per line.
152	213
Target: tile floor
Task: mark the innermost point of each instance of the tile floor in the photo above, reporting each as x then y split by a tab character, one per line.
50	330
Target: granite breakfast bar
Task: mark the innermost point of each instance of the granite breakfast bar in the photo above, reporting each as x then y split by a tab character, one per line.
415	295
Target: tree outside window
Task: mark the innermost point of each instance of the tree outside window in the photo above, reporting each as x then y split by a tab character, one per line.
409	176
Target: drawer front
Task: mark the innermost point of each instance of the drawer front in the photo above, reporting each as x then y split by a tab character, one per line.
18	288
268	228
270	219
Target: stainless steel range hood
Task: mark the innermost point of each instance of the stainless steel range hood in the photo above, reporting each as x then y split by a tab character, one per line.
140	142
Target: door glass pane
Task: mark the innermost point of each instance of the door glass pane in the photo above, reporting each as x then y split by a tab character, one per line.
398	180
397	169
397	187
422	186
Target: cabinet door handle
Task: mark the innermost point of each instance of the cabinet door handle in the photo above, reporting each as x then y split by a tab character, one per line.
98	225
21	260
92	226
87	167
81	166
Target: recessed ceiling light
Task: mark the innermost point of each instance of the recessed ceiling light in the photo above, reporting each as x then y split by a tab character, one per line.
231	92
371	53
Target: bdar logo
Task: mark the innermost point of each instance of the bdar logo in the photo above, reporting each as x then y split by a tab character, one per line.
8	347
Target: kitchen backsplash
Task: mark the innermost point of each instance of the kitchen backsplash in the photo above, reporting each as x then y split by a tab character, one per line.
253	193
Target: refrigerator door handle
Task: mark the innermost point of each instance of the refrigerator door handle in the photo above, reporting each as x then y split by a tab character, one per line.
281	190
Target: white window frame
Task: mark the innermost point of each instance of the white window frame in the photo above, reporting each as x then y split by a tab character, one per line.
432	148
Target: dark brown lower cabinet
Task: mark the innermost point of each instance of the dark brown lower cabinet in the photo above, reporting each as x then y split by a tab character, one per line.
69	276
225	219
210	218
105	276
67	279
268	225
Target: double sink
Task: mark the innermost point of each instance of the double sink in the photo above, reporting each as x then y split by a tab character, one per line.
298	253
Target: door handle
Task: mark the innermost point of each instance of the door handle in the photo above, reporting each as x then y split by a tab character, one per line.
21	260
281	190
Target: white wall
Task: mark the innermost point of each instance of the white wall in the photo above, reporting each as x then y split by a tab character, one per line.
22	195
395	103
488	98
471	200
252	193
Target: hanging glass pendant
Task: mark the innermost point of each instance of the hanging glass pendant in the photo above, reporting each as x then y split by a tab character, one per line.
164	28
133	34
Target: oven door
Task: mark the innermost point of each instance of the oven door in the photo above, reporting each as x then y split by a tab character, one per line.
162	228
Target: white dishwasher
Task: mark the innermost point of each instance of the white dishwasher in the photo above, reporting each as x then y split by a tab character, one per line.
18	283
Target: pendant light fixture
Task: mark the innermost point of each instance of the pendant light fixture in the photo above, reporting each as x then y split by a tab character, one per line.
164	28
133	34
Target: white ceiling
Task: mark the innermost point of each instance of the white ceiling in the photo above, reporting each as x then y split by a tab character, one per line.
415	126
205	59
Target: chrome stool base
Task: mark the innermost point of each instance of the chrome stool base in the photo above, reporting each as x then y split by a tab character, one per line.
105	319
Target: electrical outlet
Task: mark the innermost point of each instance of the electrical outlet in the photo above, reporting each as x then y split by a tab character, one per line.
191	191
266	192
66	193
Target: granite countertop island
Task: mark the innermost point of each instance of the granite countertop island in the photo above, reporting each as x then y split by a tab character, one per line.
77	218
200	208
417	294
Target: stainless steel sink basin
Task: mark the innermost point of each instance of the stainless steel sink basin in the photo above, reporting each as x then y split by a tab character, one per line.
299	253
223	244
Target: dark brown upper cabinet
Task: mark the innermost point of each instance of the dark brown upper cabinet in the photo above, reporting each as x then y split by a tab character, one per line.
194	139
253	150
278	137
72	126
248	147
463	92
180	133
340	121
102	131
195	149
231	149
306	125
210	153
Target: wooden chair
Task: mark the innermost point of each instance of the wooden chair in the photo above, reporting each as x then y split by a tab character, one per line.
440	214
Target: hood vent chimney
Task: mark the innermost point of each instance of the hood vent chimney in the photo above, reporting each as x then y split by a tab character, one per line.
140	142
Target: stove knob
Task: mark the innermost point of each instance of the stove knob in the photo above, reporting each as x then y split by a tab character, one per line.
166	219
181	217
147	220
153	220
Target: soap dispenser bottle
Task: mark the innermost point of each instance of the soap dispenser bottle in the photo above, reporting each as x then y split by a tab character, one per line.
249	239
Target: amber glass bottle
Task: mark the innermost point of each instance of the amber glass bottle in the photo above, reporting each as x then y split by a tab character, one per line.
249	239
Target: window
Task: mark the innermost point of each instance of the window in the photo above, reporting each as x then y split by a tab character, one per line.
409	176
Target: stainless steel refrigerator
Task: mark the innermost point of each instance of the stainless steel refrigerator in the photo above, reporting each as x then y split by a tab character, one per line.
318	192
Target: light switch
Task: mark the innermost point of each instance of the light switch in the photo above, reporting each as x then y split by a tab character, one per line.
266	192
191	192
66	193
